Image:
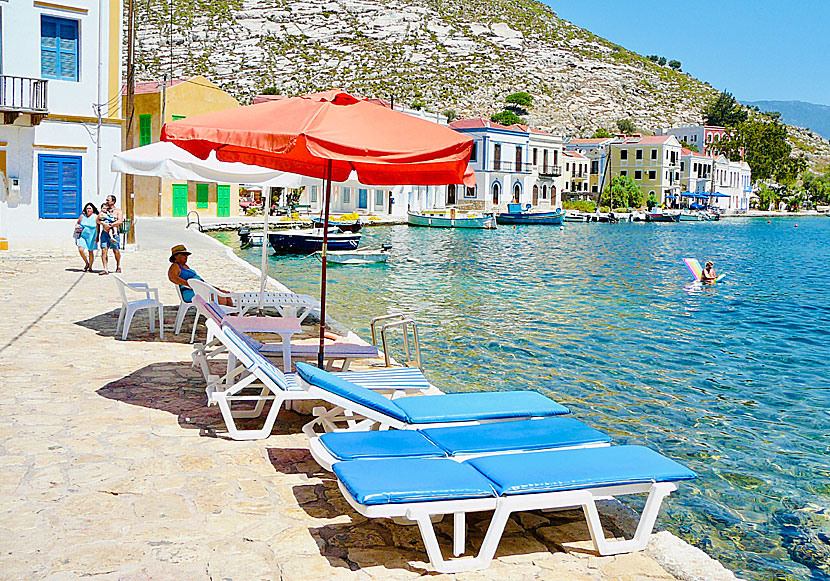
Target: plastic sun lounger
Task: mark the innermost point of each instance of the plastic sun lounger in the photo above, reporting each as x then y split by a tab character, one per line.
416	489
269	383
212	349
456	442
423	411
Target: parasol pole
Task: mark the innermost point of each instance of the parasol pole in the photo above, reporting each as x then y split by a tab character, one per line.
323	275
263	269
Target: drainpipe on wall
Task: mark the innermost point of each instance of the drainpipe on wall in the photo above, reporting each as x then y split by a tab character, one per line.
99	102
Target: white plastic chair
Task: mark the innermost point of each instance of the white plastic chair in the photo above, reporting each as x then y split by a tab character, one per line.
129	308
182	312
211	295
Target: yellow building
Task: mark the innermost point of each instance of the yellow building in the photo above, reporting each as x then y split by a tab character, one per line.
157	103
653	162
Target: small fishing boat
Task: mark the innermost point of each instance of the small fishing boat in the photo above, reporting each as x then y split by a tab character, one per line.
311	240
574	217
691	217
366	256
451	219
660	217
248	239
515	215
344	225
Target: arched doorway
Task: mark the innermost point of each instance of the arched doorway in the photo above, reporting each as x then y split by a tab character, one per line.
545	192
535	195
553	194
451	194
517	193
496	193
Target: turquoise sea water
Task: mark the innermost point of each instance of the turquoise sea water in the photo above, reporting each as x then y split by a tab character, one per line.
730	380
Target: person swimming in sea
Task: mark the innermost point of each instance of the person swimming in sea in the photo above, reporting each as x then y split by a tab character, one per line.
709	276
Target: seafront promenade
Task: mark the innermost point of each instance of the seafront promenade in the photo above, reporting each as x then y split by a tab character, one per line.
112	466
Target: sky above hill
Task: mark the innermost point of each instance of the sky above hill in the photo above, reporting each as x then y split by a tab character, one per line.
755	49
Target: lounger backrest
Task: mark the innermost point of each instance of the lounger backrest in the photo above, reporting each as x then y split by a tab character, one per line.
207	309
242	344
347	390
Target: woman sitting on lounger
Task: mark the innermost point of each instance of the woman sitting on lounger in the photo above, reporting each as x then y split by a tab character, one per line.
179	273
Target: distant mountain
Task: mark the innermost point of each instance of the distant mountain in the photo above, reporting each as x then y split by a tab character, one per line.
816	117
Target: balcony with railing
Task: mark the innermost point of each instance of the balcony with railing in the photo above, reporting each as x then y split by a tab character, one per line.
23	95
510	166
550	171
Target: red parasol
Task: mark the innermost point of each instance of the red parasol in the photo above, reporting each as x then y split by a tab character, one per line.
328	135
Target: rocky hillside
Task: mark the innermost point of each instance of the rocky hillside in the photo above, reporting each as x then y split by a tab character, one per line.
448	54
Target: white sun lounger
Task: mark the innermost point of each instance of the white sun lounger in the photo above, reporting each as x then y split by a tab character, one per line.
456	442
417	489
422	411
249	370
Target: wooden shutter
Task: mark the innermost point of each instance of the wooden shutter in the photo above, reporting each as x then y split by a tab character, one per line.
202	196
59	48
223	201
145	125
59	186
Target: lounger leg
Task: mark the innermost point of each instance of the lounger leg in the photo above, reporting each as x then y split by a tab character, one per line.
161	321
485	555
459	532
120	320
195	323
603	546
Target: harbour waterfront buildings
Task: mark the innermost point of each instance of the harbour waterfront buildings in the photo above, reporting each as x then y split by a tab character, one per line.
156	103
653	162
700	136
60	116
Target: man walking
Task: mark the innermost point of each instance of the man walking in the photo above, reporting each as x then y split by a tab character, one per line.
110	218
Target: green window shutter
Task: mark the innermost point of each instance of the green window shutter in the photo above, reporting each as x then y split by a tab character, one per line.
202	196
177	117
145	123
223	201
179	200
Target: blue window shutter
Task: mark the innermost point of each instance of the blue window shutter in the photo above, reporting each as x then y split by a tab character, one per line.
59	186
59	48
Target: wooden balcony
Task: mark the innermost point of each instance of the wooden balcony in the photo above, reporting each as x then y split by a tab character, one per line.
550	171
23	96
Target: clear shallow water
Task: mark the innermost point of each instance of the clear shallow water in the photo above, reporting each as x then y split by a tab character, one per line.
731	380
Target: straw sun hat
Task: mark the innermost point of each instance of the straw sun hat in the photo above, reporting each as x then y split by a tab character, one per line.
177	249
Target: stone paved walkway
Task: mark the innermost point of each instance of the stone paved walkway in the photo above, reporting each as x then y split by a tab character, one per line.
112	466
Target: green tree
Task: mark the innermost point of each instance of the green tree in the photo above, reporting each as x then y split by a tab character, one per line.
765	148
818	186
506	118
724	111
626	126
450	114
522	99
675	64
689	146
652	201
601	133
662	61
623	193
269	91
653	58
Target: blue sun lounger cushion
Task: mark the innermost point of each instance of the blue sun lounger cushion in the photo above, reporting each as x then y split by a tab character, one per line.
575	469
516	436
427	409
412	480
248	346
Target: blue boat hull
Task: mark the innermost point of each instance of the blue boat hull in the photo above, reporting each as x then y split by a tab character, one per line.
542	218
308	241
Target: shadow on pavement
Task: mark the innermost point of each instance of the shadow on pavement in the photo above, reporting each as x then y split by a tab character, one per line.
105	324
177	388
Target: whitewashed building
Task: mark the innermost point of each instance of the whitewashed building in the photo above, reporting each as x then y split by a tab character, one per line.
733	180
503	168
546	154
60	115
695	171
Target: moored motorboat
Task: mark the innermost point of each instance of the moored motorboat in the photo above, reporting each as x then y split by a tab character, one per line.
515	215
574	216
660	217
365	256
344	225
311	240
451	219
247	239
